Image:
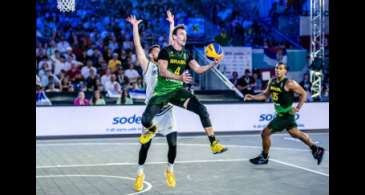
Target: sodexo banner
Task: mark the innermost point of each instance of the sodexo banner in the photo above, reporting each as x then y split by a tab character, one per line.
106	120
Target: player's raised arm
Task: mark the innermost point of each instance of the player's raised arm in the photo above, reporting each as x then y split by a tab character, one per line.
141	57
262	96
170	18
296	88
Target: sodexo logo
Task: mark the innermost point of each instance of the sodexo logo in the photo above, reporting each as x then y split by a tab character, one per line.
130	120
269	117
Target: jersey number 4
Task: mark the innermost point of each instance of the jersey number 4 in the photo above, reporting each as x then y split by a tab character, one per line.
177	71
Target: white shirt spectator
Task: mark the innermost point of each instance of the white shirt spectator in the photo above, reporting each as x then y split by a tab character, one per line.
62	46
104	79
85	71
59	65
131	74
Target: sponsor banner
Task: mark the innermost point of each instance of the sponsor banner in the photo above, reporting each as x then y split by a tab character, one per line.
106	120
236	59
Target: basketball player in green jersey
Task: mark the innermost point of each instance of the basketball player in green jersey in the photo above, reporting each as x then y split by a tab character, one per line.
282	92
173	61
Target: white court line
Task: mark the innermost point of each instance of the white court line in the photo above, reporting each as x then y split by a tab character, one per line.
149	185
128	163
299	167
164	144
179	162
197	161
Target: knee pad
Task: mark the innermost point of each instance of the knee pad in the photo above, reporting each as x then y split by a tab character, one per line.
198	108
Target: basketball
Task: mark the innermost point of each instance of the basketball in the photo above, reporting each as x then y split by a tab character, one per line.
213	51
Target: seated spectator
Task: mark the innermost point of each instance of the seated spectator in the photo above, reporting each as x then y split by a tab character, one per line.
257	87
114	63
125	98
81	100
305	83
51	88
115	90
245	83
85	71
106	77
97	99
132	73
91	81
234	78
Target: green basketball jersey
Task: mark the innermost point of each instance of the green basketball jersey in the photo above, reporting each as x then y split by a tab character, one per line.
177	63
282	99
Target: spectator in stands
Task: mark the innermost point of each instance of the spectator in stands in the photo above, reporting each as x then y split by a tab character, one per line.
121	78
132	73
60	65
305	83
114	63
106	77
113	88
41	97
85	71
258	86
51	88
75	70
97	99
234	78
70	54
246	82
62	45
91	80
125	98
65	84
81	100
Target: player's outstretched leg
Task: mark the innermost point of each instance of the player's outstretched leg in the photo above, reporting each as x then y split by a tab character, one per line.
194	105
317	151
147	117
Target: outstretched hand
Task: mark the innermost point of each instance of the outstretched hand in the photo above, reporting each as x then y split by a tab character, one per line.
248	97
170	17
132	19
186	77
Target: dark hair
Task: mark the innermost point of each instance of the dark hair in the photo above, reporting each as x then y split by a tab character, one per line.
281	63
180	26
152	47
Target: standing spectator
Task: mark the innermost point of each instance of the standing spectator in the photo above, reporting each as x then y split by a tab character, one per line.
245	83
114	63
97	99
132	73
81	100
85	71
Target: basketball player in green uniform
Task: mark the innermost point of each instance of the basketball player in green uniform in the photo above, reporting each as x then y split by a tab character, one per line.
282	92
173	61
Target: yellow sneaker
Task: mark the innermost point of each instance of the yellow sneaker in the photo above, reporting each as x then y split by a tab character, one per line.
217	147
138	184
147	136
170	179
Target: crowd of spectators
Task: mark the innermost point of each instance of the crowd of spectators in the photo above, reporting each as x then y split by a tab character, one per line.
91	50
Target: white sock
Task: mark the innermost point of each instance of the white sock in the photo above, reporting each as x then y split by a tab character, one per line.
170	167
140	170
